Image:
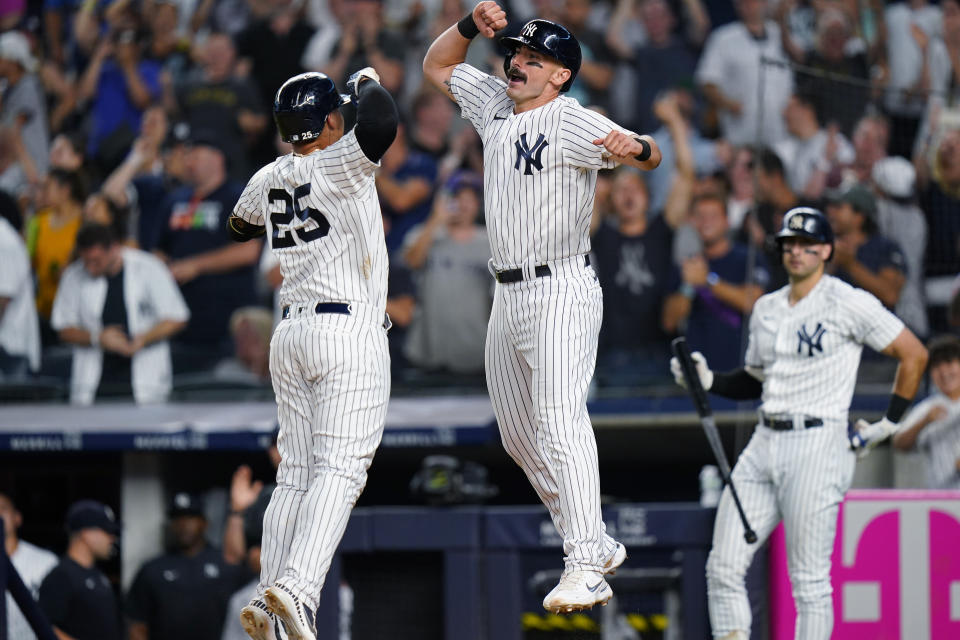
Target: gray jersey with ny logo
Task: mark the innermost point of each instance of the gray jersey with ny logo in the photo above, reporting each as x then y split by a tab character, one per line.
810	351
540	169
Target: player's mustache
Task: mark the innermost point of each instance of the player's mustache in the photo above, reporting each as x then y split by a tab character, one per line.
515	73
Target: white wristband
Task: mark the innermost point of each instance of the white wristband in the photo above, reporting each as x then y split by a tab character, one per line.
94	338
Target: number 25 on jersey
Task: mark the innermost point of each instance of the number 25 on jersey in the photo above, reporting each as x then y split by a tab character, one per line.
284	232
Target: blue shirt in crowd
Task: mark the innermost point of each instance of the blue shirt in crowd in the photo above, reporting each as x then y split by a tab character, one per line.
714	328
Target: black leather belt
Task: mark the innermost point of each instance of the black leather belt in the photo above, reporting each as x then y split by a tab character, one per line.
323	307
787	425
540	271
335	307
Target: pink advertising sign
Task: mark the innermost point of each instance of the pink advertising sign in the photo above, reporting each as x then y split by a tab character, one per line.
896	568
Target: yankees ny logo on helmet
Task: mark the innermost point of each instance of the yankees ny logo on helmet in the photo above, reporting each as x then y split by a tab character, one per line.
549	38
812	341
531	156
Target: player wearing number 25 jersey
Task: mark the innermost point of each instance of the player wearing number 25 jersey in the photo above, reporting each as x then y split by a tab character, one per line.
329	360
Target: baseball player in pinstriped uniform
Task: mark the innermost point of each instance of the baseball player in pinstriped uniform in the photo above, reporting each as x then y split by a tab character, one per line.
328	358
801	360
542	151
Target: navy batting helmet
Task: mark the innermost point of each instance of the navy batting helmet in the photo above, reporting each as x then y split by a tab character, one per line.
549	38
805	222
302	105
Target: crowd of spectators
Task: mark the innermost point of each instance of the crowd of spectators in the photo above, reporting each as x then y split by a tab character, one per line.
128	128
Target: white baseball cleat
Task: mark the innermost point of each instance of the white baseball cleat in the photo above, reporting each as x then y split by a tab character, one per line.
619	555
257	621
577	590
297	618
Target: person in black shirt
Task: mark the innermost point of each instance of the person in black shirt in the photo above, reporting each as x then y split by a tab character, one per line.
216	276
663	62
401	304
365	41
633	257
861	255
183	595
219	101
76	597
833	62
272	48
774	198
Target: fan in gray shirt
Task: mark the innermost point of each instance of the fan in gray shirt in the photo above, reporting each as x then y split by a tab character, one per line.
448	255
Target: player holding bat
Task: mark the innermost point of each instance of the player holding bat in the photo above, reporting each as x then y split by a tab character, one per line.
801	360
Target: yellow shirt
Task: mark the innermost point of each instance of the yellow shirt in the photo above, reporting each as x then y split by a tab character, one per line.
51	249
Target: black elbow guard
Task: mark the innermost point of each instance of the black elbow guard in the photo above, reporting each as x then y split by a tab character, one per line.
377	120
240	230
736	385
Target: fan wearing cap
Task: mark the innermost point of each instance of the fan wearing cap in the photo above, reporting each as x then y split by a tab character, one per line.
542	152
183	594
862	257
216	276
76	597
899	216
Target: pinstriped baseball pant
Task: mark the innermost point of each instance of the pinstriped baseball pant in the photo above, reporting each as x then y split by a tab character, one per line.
540	355
331	376
799	477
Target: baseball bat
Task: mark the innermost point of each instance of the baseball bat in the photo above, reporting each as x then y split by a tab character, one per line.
699	396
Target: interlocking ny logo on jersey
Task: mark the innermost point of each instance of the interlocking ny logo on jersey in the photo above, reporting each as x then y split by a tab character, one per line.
531	156
811	341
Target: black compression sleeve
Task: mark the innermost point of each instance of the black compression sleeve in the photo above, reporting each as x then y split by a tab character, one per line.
376	119
736	385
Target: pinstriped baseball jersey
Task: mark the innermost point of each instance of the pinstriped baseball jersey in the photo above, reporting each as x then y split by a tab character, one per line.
939	441
540	172
809	352
539	169
323	223
33	564
330	371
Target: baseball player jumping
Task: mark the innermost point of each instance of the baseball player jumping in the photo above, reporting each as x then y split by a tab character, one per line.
541	154
801	360
328	358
